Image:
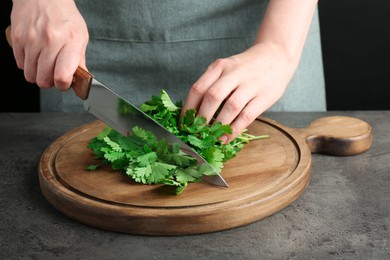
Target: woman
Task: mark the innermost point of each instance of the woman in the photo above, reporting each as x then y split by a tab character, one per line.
239	53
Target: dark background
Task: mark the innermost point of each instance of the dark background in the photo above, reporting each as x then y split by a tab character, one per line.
355	39
17	95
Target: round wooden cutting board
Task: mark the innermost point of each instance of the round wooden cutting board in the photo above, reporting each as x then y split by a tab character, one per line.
266	176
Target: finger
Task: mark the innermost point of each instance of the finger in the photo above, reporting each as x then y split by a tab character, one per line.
26	55
251	111
45	67
234	104
215	96
200	87
67	61
83	63
30	63
17	48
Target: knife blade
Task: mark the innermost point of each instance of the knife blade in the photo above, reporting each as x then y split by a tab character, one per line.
105	104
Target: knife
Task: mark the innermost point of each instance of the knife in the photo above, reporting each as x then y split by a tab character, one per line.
103	103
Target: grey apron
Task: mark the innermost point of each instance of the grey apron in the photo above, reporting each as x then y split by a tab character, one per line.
139	47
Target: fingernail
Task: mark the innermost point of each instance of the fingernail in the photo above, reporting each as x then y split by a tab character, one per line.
223	139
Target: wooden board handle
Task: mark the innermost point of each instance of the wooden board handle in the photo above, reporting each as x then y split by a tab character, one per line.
82	79
337	135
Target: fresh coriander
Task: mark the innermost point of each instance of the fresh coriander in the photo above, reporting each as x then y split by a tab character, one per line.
150	161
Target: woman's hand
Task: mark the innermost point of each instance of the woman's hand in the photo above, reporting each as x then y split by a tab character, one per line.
49	40
245	85
242	87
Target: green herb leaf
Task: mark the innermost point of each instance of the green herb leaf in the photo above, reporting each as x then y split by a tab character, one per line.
147	160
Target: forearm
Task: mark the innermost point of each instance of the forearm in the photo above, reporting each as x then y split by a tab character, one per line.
285	26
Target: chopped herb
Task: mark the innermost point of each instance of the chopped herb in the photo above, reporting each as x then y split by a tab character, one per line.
150	161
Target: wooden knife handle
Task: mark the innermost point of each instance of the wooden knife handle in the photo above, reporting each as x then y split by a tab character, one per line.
82	79
337	135
8	35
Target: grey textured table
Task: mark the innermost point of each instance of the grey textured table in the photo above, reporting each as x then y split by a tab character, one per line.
344	213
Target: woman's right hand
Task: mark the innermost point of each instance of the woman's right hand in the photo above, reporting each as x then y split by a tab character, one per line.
49	41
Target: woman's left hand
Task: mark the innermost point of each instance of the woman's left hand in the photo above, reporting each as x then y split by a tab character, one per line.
242	86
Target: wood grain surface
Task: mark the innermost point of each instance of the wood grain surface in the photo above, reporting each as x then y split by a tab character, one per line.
265	177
